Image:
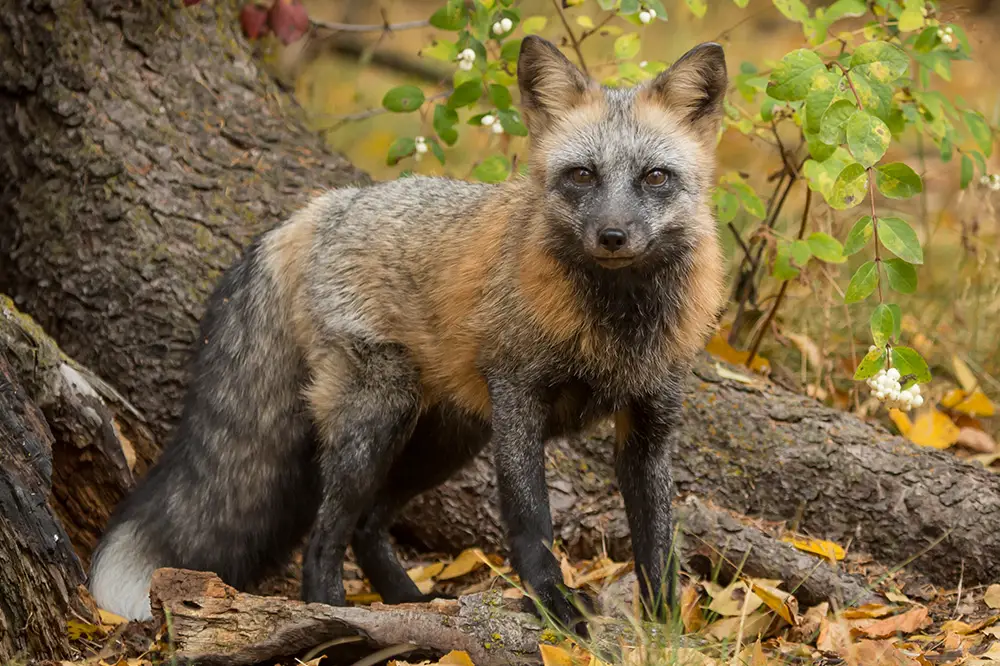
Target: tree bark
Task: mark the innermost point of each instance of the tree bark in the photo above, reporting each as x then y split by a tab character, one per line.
39	572
759	450
141	148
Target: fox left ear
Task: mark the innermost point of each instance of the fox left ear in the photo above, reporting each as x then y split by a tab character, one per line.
694	86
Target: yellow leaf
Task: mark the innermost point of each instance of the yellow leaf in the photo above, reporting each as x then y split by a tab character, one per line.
827	549
732	599
457	658
109	618
992	596
691	615
364	598
734	376
976	404
963	373
905	623
867	611
754	625
467	561
901	420
428	572
553	655
585	22
720	347
605	572
933	428
898	597
76	630
568	573
958	627
781	602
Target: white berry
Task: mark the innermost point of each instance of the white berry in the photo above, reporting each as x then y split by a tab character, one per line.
506	24
645	16
947	39
497	128
487	120
652	13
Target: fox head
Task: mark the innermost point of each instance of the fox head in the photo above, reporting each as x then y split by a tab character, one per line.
623	173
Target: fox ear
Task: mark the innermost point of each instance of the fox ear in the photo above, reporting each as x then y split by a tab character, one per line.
694	86
550	84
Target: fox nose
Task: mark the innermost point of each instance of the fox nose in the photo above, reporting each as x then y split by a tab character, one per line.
612	239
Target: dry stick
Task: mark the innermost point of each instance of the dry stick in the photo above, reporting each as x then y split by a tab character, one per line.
781	292
372	27
572	38
588	33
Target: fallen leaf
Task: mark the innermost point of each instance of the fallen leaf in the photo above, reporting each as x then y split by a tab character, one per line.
976	440
867	611
457	658
827	549
553	655
974	404
901	420
568	573
691	616
729	374
964	374
365	598
418	574
690	657
834	635
905	623
604	573
732	599
957	627
76	630
467	561
720	347
879	653
781	602
754	625
992	596
110	619
898	598
933	428
809	623
807	348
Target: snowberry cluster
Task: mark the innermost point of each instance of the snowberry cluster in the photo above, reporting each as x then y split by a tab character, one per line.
503	26
421	147
647	15
885	386
466	59
946	35
991	181
489	120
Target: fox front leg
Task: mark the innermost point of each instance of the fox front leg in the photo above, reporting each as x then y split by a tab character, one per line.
642	466
518	423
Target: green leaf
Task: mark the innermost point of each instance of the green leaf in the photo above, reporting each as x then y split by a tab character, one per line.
867	138
783	268
826	248
849	190
910	20
818	100
493	169
876	97
897	320
465	94
445	120
882	324
832	124
533	24
818	150
897	181
927	39
500	96
910	362
793	10
440	50
980	131
794	76
967	171
511	122
403	99
899	238
698	7
879	61
863	283
748	198
741	3
870	364
450	17
801	252
859	236
902	276
627	46
510	50
400	148
437	150
821	175
726	205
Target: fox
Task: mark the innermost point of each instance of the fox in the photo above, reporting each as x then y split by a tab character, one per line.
362	351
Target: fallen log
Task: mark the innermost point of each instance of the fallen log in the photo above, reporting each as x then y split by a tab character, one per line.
214	625
760	450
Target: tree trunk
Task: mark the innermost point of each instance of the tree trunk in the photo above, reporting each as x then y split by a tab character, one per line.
39	572
757	449
142	149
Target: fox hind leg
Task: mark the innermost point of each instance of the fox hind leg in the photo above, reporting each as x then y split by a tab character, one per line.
441	444
365	403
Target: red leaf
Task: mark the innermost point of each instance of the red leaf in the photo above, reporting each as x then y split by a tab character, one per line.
253	18
288	19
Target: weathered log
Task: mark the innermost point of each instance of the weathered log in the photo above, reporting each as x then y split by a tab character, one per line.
96	432
214	625
39	573
761	450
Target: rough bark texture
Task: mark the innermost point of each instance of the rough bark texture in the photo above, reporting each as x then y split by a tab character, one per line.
39	572
141	149
215	625
759	450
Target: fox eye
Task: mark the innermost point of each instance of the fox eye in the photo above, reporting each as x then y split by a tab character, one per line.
656	178
582	176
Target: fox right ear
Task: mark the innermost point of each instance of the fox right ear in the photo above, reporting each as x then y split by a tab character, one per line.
550	84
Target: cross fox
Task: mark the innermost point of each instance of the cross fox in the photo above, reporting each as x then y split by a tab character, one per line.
364	350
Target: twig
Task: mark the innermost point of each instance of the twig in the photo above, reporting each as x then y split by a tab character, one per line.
587	33
370	27
339	121
572	38
781	292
